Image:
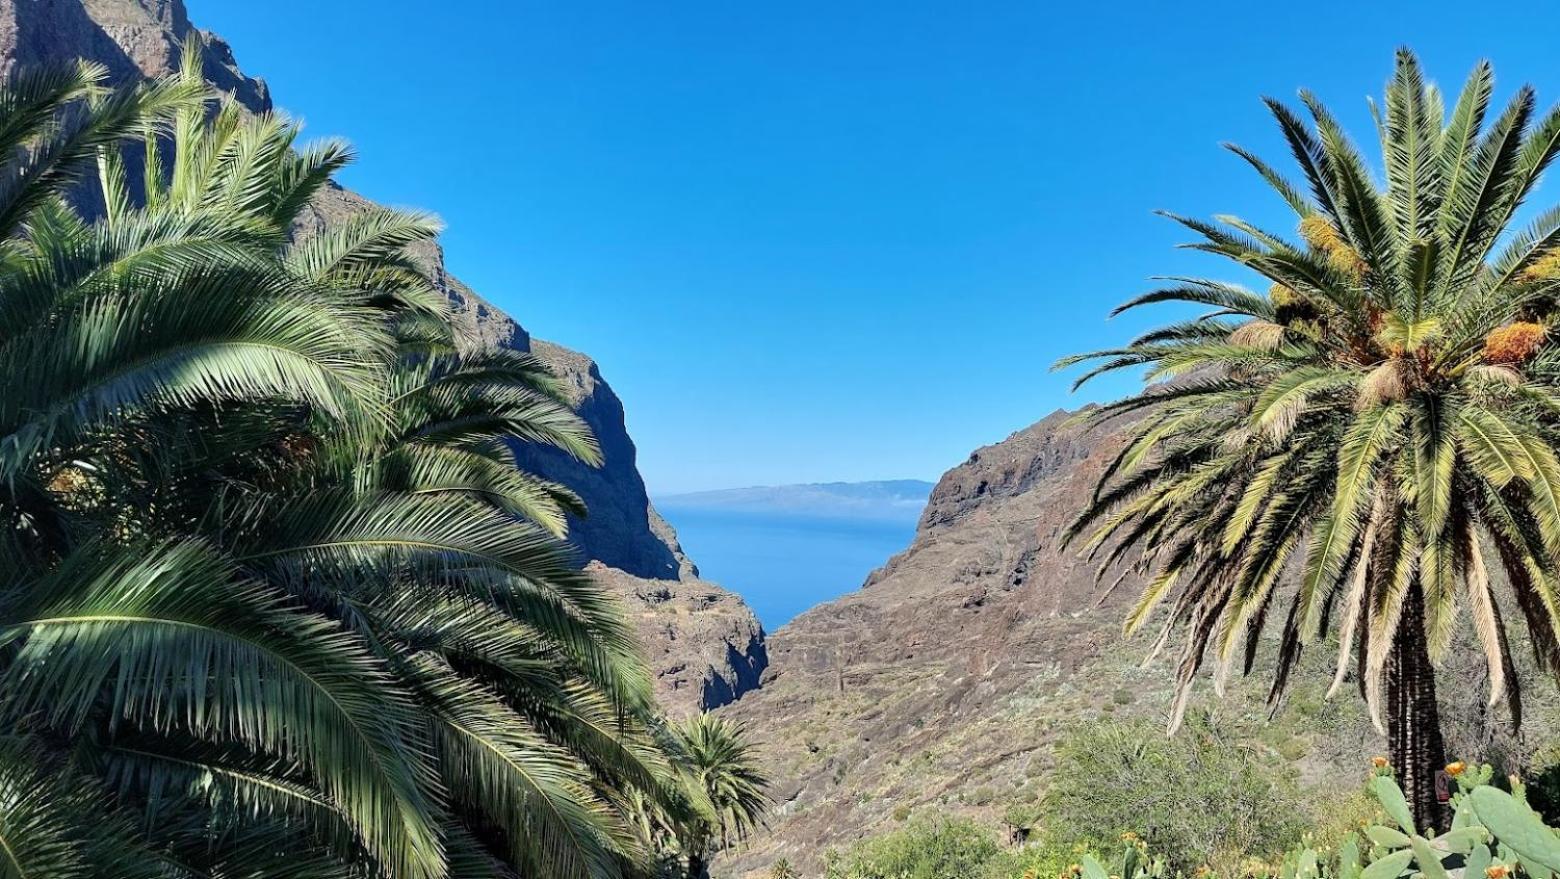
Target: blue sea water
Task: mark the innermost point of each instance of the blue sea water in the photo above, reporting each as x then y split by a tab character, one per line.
783	564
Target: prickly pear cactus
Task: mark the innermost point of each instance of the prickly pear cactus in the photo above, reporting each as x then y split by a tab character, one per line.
1524	838
1494	834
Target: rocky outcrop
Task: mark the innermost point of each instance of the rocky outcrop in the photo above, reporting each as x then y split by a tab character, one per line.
618	532
704	645
132	38
623	538
943	684
1011	467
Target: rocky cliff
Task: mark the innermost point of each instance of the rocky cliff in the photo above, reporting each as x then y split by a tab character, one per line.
706	647
944	683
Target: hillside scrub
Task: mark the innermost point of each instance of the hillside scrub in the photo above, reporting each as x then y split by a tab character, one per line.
1208	792
1187	796
924	849
1494	832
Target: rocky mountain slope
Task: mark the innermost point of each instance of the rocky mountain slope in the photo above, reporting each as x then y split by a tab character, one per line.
707	648
944	683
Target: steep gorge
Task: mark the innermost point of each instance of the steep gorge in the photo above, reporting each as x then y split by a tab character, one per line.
943	685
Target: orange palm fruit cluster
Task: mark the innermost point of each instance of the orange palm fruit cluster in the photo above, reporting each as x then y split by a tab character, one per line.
1514	343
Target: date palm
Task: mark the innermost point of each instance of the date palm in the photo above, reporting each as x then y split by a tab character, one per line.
271	589
105	334
1381	420
722	769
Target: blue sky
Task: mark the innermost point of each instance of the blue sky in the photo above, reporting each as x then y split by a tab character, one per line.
815	241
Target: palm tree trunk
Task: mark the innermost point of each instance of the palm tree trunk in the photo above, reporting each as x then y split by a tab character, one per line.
1414	720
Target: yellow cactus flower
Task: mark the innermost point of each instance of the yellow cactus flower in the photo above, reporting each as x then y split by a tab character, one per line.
1379	762
1497	871
1456	768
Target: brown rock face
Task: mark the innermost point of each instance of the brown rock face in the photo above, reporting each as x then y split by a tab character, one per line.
944	683
711	638
704	645
132	38
926	683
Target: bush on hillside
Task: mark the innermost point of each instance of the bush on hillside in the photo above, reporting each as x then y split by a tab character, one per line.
924	849
1193	797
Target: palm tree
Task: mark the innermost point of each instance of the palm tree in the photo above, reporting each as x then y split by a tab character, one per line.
1383	420
722	769
103	334
271	588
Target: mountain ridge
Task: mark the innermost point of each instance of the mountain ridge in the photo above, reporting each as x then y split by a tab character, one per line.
894	499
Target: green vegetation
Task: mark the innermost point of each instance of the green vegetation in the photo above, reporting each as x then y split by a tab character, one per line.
1493	833
1384	416
722	768
1197	798
924	849
1203	798
278	601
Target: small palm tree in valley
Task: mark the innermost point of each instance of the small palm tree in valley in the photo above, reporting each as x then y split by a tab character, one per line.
1381	420
723	769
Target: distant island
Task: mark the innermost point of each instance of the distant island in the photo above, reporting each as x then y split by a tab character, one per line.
890	500
751	539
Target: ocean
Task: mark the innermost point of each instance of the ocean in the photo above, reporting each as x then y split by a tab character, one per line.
783	564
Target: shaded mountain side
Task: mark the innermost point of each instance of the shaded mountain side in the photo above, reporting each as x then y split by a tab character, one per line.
704	646
623	534
943	684
132	38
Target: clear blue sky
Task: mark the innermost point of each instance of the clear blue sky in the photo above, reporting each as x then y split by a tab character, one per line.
813	241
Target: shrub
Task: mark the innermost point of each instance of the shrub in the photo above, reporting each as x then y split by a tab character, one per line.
1293	748
1190	796
1336	818
925	849
1020	816
1040	860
